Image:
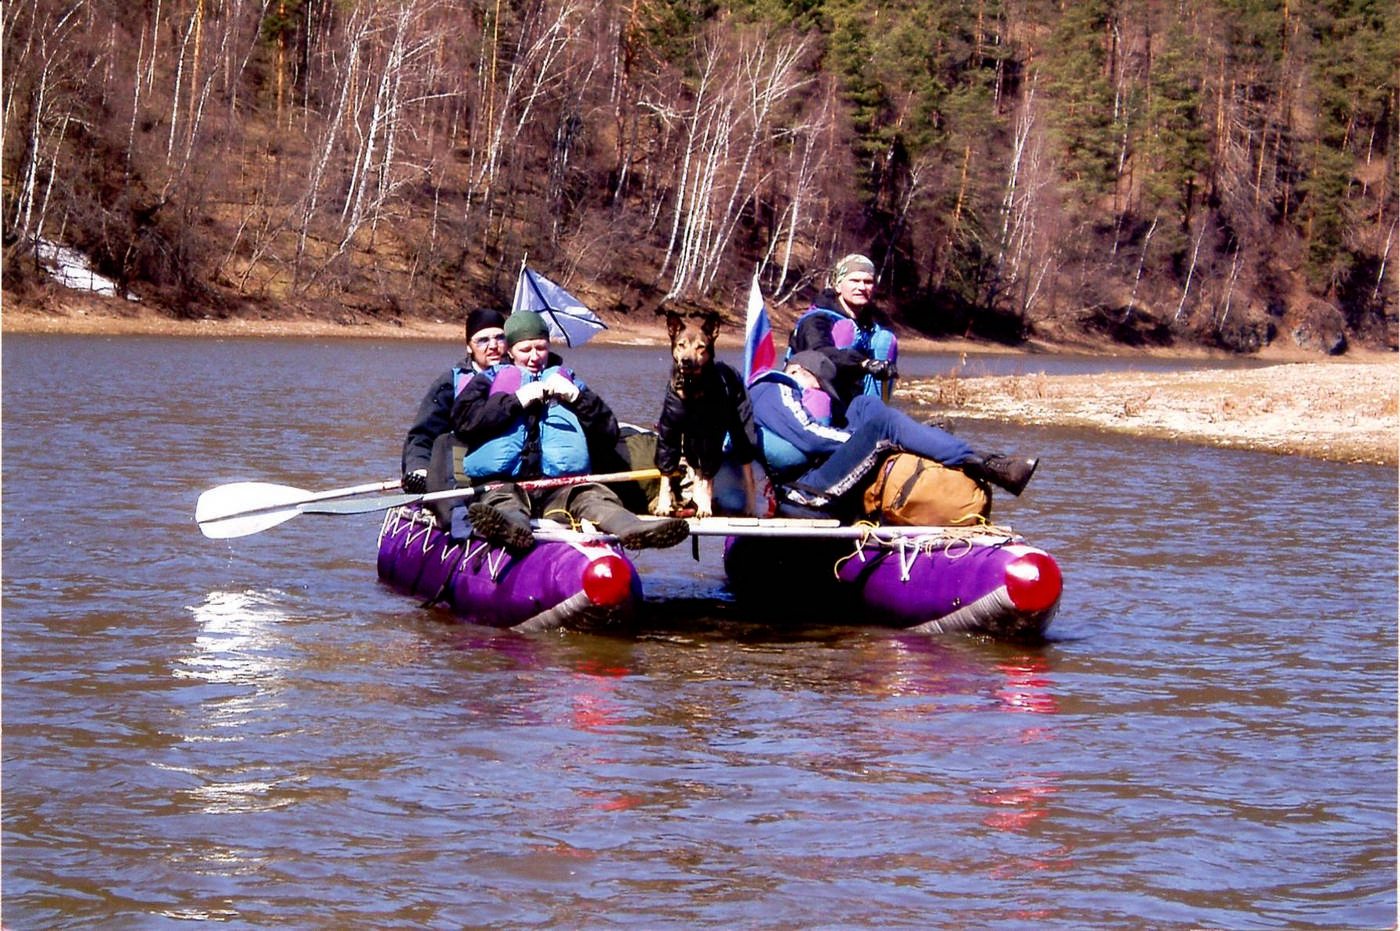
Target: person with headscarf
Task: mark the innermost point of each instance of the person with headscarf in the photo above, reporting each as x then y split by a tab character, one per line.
486	346
843	325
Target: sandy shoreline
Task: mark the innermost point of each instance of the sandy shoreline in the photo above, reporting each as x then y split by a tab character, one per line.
1346	410
1339	411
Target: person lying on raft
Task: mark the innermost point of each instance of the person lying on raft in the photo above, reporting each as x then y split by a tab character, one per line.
530	419
820	461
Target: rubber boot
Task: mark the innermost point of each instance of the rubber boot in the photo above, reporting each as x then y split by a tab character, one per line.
1007	472
637	534
503	528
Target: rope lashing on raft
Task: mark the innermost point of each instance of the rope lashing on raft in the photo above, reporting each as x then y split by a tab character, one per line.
568	518
418	528
908	550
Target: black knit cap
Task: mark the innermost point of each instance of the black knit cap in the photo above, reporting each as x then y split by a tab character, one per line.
483	318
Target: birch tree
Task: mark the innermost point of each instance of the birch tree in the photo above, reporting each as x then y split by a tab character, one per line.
738	94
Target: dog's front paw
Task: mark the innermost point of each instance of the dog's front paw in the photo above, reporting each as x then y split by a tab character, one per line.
703	493
664	503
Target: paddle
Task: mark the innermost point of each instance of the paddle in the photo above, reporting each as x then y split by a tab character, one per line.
245	508
271	503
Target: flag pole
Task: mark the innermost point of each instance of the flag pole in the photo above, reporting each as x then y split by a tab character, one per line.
547	308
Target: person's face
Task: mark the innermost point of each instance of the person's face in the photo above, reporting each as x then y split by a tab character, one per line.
855	289
488	346
530	354
800	375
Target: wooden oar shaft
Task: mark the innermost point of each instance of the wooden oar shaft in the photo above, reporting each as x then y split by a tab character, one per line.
540	484
368	505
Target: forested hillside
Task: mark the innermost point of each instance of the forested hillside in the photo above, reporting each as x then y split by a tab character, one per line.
1210	172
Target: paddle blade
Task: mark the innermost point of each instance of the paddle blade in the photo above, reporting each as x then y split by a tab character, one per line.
226	528
243	497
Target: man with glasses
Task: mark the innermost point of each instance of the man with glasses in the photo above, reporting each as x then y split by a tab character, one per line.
486	346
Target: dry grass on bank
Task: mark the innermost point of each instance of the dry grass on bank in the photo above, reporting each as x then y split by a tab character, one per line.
1341	411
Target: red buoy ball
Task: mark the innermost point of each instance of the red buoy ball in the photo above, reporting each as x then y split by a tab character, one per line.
607	580
1033	581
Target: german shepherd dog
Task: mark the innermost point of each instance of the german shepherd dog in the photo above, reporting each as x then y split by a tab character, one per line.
705	402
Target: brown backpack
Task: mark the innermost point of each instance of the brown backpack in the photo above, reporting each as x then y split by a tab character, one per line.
912	491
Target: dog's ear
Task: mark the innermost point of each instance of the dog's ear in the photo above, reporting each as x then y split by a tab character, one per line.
674	323
710	326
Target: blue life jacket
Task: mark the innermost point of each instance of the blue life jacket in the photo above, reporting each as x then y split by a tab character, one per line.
874	342
460	376
563	446
779	454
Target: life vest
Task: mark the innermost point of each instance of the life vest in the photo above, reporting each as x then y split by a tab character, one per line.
461	374
563	446
874	342
781	455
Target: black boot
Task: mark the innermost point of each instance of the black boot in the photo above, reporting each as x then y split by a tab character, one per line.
637	534
504	528
1006	472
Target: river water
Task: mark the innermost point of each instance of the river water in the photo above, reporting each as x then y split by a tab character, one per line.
255	731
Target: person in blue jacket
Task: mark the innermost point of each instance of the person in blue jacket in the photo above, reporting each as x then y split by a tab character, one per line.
844	325
531	418
821	462
486	346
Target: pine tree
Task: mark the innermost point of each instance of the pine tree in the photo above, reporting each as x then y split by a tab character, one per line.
1175	147
1088	125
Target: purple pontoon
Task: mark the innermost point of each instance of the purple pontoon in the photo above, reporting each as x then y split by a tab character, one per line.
928	579
574	583
933	580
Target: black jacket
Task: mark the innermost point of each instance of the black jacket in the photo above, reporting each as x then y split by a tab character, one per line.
433	420
813	331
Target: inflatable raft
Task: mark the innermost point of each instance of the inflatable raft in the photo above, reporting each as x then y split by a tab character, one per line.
934	580
931	580
576	582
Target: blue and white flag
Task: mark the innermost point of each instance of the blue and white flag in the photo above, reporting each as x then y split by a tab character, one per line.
568	319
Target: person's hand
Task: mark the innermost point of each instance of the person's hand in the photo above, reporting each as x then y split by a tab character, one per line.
561	388
880	368
415	482
532	393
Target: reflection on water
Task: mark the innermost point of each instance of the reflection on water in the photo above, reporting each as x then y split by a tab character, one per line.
236	639
256	731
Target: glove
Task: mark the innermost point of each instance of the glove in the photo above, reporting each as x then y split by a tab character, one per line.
561	388
415	482
533	393
879	368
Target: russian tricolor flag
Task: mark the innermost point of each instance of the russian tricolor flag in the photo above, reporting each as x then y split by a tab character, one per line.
759	354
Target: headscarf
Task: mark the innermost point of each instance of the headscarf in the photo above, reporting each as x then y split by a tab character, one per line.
855	262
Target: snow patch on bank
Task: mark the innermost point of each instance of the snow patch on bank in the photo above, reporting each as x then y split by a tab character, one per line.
73	270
